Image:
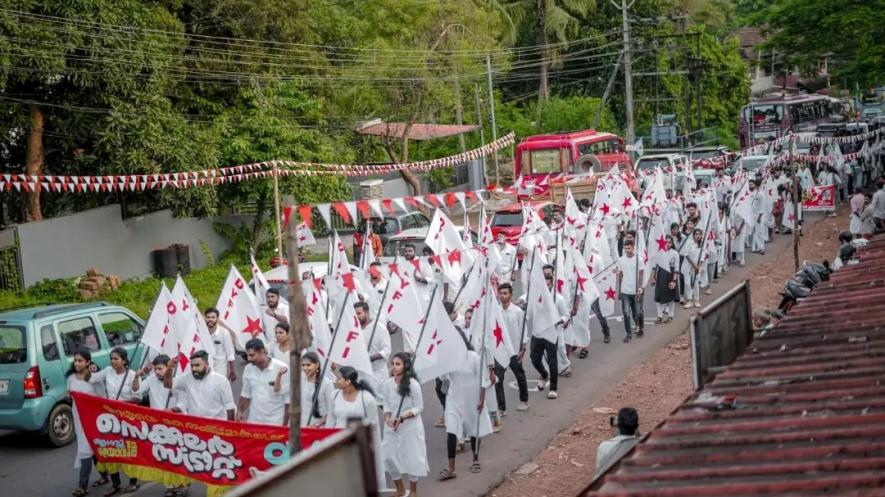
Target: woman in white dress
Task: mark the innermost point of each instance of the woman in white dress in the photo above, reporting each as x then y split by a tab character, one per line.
403	447
314	413
465	412
279	348
78	381
355	399
117	382
693	261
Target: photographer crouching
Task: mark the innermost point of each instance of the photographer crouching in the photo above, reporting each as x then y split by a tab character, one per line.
613	449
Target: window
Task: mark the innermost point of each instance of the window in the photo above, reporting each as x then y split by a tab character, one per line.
421	220
545	161
119	328
77	333
13	347
407	222
50	344
385	227
507	219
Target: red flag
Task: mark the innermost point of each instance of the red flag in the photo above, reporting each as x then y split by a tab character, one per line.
342	211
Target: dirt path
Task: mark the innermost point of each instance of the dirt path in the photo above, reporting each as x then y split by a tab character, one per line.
655	387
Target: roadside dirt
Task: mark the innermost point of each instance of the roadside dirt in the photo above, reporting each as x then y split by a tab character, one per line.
656	387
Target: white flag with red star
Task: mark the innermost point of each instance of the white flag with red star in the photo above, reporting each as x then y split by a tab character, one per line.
303	236
689	183
443	238
316	309
239	308
441	348
261	283
542	311
193	334
607	283
346	345
575	220
495	335
158	332
404	306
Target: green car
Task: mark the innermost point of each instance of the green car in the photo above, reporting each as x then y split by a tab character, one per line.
37	345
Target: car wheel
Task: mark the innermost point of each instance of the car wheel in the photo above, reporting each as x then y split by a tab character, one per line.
60	425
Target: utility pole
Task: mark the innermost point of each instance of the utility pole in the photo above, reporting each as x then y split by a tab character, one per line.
630	134
492	112
482	137
459	119
608	88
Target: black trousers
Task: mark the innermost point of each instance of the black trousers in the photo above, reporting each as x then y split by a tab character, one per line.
439	393
521	383
547	349
602	321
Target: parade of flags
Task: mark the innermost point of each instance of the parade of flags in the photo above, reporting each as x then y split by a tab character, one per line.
239	309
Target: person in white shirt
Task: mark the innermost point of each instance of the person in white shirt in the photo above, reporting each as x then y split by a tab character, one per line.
514	321
280	348
116	380
204	393
78	381
544	346
276	311
260	402
403	446
692	263
223	351
630	276
314	406
159	397
664	280
613	449
508	259
379	343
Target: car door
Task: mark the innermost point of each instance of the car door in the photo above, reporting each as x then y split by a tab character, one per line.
80	331
121	329
52	364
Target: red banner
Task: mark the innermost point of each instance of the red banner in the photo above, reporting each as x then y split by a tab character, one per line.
177	448
819	198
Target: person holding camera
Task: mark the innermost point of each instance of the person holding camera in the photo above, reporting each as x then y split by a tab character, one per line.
613	449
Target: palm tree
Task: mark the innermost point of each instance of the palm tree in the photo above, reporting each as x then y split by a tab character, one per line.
552	21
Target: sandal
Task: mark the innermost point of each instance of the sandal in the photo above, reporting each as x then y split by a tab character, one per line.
583	353
170	492
104	480
79	492
446	475
113	491
131	489
475	468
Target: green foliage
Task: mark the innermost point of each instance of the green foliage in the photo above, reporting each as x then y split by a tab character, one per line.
851	33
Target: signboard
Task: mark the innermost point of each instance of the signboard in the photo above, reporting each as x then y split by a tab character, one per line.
819	198
721	332
177	448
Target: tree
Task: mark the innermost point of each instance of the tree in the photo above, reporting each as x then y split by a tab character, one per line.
849	33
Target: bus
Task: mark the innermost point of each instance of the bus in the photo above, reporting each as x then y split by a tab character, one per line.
768	118
539	157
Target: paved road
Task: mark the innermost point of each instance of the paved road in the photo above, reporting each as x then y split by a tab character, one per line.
27	468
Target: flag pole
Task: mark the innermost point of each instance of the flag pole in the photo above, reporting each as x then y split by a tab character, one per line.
482	356
528	290
380	307
424	323
126	376
316	393
329	273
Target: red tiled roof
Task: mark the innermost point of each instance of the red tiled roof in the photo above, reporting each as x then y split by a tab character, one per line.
417	131
749	37
801	412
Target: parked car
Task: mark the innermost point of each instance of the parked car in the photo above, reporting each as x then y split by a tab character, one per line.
37	346
646	165
508	219
710	152
414	236
752	162
385	228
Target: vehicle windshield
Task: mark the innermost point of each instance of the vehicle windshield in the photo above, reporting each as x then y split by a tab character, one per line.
545	161
704	154
395	247
752	164
507	219
764	113
652	163
13	347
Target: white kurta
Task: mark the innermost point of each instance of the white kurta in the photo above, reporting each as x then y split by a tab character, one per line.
323	400
363	407
380	344
461	415
404	450
111	381
83	448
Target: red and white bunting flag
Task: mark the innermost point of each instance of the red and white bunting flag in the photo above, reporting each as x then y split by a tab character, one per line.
351	210
375	205
400	203
326	213
239	308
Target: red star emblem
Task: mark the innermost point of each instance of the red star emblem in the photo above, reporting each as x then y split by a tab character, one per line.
437	259
605	208
580	281
627	202
347	281
394	269
610	294
791	217
662	243
252	325
499	334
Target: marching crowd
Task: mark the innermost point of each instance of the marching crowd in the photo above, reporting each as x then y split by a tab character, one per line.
570	270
